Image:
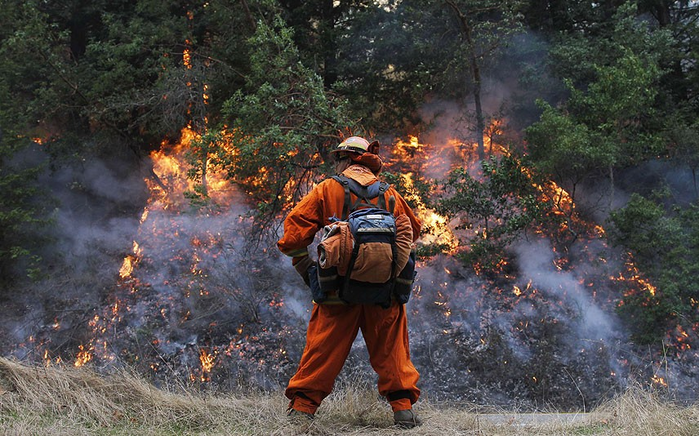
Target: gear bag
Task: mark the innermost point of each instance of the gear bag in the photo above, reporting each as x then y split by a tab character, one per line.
362	268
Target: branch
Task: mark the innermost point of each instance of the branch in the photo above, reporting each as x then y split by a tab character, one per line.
248	15
463	20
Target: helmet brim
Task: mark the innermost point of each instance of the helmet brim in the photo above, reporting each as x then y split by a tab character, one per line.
354	149
349	150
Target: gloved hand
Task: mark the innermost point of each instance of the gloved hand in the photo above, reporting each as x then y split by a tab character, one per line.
301	264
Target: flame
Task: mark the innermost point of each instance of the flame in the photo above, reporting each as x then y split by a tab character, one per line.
207	363
680	337
167	193
441	234
171	167
411	147
634	277
562	200
168	188
130	261
453	153
126	267
187	55
84	355
658	381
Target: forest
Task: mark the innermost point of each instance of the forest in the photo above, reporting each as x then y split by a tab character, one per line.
150	150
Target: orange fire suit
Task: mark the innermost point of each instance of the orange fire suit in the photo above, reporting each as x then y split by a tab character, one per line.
333	327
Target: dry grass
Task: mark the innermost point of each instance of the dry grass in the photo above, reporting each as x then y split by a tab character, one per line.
69	401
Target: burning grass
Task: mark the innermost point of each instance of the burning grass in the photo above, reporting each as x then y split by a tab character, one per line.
71	401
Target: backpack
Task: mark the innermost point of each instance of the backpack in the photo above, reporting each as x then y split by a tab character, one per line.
370	276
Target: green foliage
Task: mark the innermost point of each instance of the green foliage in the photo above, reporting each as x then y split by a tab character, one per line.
616	104
665	246
619	113
282	125
21	205
493	211
471	35
124	72
19	222
36	72
103	78
683	138
554	17
567	149
146	61
617	116
319	28
22	208
609	119
385	65
392	59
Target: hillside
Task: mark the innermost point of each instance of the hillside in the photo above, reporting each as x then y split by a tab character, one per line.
70	401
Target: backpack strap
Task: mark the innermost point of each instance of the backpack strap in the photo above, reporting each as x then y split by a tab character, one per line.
364	194
344	181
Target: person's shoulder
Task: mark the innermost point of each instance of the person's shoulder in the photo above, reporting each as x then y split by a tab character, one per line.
329	182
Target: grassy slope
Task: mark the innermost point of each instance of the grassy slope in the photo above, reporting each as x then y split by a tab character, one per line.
69	401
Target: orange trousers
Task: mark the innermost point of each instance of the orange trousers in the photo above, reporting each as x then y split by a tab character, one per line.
331	332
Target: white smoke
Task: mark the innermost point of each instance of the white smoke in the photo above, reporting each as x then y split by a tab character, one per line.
536	264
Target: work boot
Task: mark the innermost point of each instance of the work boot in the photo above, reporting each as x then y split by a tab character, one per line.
298	416
406	419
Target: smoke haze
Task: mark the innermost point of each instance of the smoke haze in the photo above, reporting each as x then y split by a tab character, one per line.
203	306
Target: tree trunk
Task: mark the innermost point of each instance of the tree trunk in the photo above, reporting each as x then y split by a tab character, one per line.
476	74
480	121
611	186
329	44
204	178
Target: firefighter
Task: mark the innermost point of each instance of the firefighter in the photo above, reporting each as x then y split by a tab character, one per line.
334	325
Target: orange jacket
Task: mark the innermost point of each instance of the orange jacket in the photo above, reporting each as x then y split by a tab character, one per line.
325	201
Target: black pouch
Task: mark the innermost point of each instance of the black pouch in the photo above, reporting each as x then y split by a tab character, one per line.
316	291
355	292
404	281
329	280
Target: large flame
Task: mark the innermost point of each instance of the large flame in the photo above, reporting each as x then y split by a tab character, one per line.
439	232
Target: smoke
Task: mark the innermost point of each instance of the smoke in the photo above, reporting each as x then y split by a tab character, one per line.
536	264
658	175
537	337
544	332
91	206
207	306
197	278
90	221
